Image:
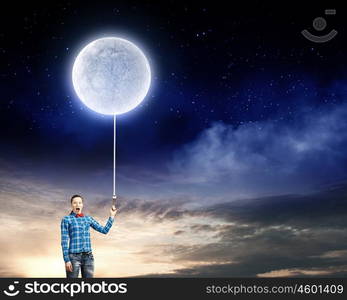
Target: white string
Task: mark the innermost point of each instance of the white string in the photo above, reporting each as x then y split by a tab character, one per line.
114	158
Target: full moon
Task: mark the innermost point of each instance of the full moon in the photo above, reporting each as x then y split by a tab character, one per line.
111	76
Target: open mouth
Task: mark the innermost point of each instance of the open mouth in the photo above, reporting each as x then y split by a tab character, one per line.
78	208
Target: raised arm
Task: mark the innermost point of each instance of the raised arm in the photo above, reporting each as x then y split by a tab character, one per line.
65	239
103	229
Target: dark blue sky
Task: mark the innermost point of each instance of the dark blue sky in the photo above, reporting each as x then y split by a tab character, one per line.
209	64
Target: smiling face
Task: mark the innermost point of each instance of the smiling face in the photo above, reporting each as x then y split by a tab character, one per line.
77	205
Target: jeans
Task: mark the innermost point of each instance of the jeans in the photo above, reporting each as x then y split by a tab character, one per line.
83	261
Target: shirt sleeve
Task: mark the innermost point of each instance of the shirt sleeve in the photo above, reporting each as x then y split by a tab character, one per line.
65	239
103	229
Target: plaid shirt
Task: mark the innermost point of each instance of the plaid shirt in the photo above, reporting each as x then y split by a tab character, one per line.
77	231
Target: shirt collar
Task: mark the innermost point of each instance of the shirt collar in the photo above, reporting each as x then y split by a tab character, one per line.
73	214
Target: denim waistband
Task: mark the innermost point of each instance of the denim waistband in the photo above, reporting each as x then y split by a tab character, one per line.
87	252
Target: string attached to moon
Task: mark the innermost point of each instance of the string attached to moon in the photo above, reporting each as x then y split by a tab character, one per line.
111	76
114	194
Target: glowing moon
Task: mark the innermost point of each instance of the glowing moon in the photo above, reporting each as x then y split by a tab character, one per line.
111	75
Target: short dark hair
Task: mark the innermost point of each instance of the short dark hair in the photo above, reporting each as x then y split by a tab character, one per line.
75	196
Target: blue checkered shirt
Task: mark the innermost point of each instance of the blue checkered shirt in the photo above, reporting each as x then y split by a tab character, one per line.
76	230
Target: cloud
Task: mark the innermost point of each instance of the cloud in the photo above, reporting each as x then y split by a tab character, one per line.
338	254
239	202
267	157
284	235
313	272
30	218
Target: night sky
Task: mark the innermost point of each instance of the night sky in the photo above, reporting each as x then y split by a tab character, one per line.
240	139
